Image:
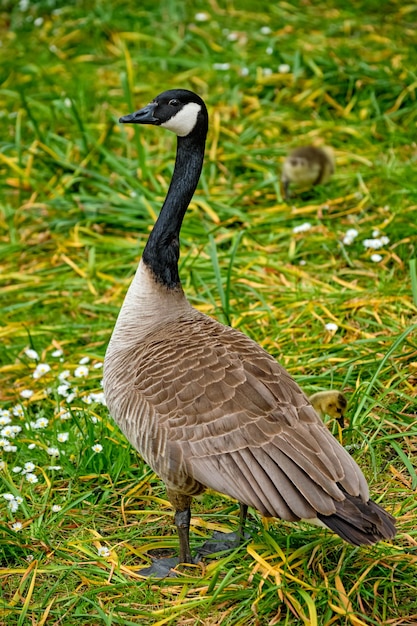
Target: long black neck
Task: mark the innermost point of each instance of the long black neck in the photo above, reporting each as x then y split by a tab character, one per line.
162	250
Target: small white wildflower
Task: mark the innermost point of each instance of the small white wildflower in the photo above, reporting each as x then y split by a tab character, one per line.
24	5
103	551
64	375
2	465
376	258
63	437
284	68
269	50
17	526
38	21
7	432
98	365
233	36
4	442
68	102
17	469
81	371
54	468
8	496
303	262
41	369
267	71
97	447
244	71
26	393
4	420
19	499
301	228
98	397
18	410
55	508
70	397
31	446
350	235
66	415
10	448
57	353
331	327
223	67
63	390
4	413
31	478
53	48
41	422
202	16
133	194
32	354
375	233
15	430
94	419
265	30
375	244
30	558
52	451
84	360
13	505
87	399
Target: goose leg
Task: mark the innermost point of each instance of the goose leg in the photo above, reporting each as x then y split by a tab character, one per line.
182	522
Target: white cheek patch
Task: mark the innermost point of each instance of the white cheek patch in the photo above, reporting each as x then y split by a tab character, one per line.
183	123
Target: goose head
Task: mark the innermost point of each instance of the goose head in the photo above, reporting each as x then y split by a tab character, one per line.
179	110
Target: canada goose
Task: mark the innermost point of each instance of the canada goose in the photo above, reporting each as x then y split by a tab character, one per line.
307	166
205	405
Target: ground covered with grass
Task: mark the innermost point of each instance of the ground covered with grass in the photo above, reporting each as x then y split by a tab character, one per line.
326	283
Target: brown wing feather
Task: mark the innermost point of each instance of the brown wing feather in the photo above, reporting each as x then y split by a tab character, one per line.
232	419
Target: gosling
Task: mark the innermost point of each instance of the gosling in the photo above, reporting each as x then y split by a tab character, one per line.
307	166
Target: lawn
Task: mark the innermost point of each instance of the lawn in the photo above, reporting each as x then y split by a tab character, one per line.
80	511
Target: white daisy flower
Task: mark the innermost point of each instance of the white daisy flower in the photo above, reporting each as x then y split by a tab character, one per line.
17	526
222	67
331	327
202	16
54	468
64	375
376	258
4	420
18	410
32	354
10	448
84	360
97	447
17	469
31	478
301	228
57	353
98	365
81	371
40	370
55	508
284	68
265	30
52	451
103	551
63	437
26	393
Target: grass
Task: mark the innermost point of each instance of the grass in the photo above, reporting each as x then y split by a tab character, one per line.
79	196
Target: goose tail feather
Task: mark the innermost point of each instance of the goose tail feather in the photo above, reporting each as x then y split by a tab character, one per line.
360	523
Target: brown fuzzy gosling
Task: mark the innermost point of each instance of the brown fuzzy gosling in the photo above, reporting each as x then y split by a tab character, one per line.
306	167
332	403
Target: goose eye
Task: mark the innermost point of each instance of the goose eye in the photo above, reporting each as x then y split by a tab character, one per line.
174	102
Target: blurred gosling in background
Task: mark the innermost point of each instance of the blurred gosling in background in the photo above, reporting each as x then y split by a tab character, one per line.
305	167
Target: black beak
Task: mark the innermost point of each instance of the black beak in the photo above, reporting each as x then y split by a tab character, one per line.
143	116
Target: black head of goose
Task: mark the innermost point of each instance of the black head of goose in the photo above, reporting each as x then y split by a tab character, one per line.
205	405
